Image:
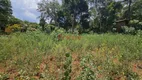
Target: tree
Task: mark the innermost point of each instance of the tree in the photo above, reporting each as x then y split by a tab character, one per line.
136	10
100	12
71	7
5	13
128	11
78	11
89	14
105	13
14	20
64	19
42	23
128	8
49	10
84	14
113	11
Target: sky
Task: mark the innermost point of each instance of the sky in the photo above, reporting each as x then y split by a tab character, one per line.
26	9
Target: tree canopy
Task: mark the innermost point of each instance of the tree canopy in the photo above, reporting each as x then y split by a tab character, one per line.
5	12
96	15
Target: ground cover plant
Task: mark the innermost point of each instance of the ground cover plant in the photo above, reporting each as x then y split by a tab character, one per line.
36	55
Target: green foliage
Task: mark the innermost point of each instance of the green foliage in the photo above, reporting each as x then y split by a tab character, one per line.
42	23
13	28
4	76
129	30
139	33
122	70
87	72
78	10
136	24
14	20
5	13
26	51
137	10
92	15
49	10
67	67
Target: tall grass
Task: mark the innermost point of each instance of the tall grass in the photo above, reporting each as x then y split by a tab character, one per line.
26	51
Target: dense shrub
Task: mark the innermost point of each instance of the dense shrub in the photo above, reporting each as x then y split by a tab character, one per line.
13	28
136	24
129	30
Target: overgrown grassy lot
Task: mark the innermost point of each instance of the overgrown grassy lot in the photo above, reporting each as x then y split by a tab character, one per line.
40	56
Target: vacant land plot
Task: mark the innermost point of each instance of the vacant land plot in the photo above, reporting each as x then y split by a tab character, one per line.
36	55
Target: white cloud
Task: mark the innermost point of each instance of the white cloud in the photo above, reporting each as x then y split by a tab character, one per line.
31	4
28	4
25	9
30	14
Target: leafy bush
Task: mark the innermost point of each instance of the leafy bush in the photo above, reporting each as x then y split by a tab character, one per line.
13	28
33	25
129	30
139	33
136	24
53	29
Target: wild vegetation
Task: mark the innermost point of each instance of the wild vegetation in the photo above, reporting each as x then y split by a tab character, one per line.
36	55
74	40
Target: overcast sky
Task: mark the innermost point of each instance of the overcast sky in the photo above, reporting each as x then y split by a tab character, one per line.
26	9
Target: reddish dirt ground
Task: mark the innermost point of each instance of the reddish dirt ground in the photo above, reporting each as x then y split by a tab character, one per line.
137	68
2	69
55	68
76	69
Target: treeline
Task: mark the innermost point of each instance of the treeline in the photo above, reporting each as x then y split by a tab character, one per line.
87	16
81	16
